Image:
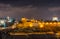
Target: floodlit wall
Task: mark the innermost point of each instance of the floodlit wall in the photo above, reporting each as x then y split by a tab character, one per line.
36	23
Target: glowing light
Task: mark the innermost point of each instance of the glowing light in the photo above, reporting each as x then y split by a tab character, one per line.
2	22
54	23
31	25
32	20
41	26
47	23
10	20
55	19
43	23
39	23
58	22
23	19
50	23
13	27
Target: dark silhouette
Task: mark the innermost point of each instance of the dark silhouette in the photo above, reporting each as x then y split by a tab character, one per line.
0	35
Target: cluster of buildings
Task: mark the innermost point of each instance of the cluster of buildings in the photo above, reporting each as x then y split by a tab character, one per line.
4	22
24	22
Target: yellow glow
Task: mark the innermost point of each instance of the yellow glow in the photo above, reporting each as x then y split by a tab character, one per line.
13	27
36	21
47	23
39	23
43	23
19	25
58	22
41	26
33	20
54	23
23	19
31	25
50	22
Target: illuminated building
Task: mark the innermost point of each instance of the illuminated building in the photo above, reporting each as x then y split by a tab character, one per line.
55	18
23	19
41	24
4	22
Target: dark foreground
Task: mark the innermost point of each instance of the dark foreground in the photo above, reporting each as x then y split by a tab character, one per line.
32	36
4	35
35	36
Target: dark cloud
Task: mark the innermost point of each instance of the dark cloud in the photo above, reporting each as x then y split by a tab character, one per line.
31	2
25	11
37	9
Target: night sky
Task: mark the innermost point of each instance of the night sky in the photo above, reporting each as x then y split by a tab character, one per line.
38	9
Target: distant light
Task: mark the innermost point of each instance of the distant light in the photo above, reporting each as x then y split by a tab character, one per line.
55	18
3	28
24	19
13	27
31	24
50	22
2	22
46	23
41	26
58	22
10	20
